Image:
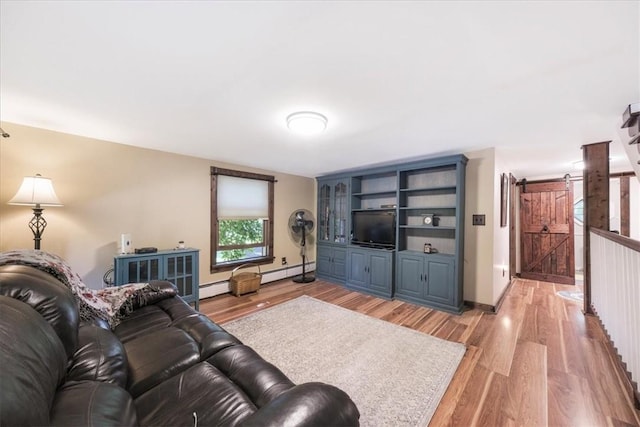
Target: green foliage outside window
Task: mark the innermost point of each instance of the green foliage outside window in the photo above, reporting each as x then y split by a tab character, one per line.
245	232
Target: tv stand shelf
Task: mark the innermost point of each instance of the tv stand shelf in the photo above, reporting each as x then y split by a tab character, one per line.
430	188
427	227
373	209
376	194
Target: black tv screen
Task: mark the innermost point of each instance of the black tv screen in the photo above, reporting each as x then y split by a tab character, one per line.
374	228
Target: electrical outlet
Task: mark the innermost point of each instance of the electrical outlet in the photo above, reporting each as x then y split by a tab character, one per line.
284	260
478	219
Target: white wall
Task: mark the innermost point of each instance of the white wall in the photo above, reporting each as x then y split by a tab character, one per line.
500	234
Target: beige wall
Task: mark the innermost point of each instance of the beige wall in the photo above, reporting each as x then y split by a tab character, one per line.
108	189
160	198
486	251
478	240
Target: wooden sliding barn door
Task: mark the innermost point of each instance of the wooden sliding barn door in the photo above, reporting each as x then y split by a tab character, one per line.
546	236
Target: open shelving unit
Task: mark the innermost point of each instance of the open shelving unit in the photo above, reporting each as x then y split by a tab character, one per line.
374	192
423	192
432	188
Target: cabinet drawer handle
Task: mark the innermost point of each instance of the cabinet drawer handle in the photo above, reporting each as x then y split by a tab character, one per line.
421	278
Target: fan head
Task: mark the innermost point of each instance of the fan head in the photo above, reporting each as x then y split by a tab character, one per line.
301	224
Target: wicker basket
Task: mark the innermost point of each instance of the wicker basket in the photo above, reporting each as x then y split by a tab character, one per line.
246	281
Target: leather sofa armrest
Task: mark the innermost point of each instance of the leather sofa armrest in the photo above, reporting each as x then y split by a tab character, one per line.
90	403
162	290
309	404
156	291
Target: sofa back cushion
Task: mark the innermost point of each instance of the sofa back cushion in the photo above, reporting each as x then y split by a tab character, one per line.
48	296
100	356
33	362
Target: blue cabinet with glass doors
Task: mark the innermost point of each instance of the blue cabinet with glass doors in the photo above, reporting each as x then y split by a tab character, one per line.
178	266
332	229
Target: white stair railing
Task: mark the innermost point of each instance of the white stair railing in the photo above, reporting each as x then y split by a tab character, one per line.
615	294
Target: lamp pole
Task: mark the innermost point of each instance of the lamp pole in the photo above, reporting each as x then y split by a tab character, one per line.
37	225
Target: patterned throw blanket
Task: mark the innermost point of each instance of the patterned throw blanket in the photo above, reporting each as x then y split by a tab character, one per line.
111	304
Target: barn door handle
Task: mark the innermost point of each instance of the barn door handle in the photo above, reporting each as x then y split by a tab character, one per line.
545	229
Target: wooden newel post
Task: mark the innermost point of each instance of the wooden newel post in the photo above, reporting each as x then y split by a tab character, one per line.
596	203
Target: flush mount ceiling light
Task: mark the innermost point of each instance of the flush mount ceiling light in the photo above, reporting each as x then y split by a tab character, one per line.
306	122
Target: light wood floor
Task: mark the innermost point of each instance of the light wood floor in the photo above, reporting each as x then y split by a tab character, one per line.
538	362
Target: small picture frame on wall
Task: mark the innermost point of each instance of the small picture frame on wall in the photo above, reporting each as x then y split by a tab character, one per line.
504	197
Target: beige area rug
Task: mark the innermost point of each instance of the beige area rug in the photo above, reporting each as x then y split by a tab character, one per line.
395	375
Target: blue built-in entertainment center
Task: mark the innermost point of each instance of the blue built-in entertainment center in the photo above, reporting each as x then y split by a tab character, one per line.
396	231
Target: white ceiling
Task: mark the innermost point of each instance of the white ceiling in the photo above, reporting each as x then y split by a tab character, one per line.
396	80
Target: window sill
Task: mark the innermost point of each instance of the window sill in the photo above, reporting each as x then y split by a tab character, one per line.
228	266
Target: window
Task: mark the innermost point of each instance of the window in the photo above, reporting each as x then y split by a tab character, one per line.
578	211
241	218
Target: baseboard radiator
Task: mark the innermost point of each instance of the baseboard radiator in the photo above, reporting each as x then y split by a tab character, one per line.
209	290
615	297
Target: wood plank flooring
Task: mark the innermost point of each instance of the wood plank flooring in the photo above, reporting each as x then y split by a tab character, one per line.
538	362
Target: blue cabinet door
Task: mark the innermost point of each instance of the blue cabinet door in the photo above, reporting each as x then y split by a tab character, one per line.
370	270
333	210
323	261
179	270
410	276
339	264
358	274
380	272
139	270
440	286
331	262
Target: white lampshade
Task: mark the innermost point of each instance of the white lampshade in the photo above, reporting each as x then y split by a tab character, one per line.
36	190
306	122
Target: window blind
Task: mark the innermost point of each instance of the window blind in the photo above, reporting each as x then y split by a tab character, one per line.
242	198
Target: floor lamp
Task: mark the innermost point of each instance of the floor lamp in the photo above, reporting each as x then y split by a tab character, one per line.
36	191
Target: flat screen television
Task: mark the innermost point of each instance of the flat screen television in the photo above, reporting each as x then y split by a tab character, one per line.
374	228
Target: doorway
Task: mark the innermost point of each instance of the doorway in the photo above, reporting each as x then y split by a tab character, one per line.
546	231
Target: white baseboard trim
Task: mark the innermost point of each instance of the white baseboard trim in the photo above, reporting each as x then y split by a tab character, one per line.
208	290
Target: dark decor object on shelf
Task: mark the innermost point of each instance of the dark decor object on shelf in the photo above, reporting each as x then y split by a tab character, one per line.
504	198
430	220
146	250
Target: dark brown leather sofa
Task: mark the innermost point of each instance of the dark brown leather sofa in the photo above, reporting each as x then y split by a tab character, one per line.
165	364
